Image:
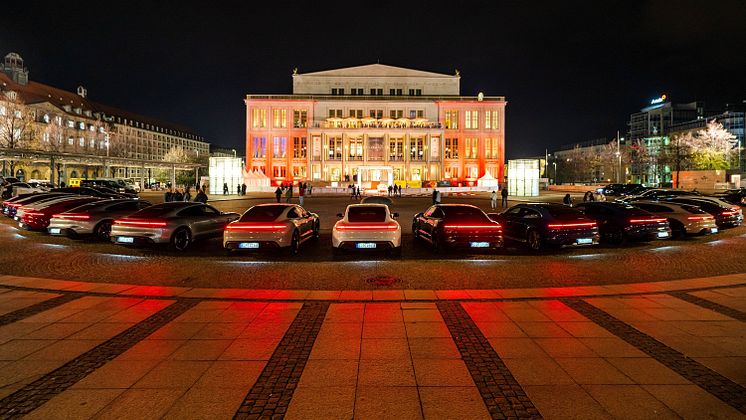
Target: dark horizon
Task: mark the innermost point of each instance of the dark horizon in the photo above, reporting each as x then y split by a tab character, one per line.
569	73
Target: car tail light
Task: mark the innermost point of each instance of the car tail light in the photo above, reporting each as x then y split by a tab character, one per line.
729	213
33	213
71	216
355	226
699	217
495	226
14	205
571	225
141	223
653	220
238	226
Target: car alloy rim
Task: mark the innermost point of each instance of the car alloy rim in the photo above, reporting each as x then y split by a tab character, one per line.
182	240
104	230
294	243
534	240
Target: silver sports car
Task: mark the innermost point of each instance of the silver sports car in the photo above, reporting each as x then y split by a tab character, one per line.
176	223
272	226
94	218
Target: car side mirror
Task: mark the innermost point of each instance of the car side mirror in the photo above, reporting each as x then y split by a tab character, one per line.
395	215
339	215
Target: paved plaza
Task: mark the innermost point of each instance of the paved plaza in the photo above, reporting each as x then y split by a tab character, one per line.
107	350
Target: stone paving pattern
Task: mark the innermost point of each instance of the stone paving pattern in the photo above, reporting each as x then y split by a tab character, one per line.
347	355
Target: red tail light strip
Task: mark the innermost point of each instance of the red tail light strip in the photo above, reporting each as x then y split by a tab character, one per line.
252	227
729	213
699	217
491	226
141	223
387	226
647	220
571	225
72	216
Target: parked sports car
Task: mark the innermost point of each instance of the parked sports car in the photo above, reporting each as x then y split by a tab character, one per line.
457	225
367	227
272	226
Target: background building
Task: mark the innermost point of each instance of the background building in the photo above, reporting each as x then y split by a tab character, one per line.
373	124
57	134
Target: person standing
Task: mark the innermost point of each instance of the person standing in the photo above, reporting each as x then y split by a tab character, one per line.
435	196
168	196
278	194
225	188
289	194
177	196
504	194
187	194
493	200
390	188
567	200
238	190
357	192
301	193
201	197
243	189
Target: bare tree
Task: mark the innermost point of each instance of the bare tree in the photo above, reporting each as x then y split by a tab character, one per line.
16	124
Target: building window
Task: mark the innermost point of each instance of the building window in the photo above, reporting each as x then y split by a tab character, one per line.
491	120
356	113
357	91
259	118
280	118
299	171
300	118
279	147
338	91
45	137
416	113
472	172
335	113
300	148
259	147
335	148
376	113
278	171
471	122
396	149
418	92
376	91
490	148
70	124
451	149
451	119
472	148
396	113
417	148
355	149
70	141
396	92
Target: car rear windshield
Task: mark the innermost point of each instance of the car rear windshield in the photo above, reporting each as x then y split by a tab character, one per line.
464	214
155	211
692	209
262	213
366	214
563	213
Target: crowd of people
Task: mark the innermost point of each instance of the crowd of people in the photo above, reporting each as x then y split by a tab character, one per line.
184	194
287	191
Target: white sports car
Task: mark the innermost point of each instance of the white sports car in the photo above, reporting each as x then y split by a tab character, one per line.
367	227
272	226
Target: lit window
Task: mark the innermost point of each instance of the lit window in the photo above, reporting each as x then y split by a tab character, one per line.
259	118
471	121
279	116
451	149
451	119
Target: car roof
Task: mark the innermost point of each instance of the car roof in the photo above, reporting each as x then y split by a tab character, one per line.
455	205
367	205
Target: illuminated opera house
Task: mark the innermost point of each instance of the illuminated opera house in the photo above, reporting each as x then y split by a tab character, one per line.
375	124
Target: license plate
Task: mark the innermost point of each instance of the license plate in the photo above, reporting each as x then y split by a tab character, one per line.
125	239
714	230
16	217
248	245
54	231
584	241
479	244
663	234
365	245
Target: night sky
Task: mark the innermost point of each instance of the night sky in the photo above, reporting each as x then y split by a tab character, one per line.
571	71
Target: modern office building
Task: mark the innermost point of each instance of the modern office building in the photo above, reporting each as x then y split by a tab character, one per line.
375	124
656	119
84	138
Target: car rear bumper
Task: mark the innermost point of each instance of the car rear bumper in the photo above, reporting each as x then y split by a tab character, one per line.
647	233
74	226
582	238
471	241
140	235
379	246
259	245
277	239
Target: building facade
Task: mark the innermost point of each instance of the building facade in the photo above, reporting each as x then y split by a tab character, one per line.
68	125
375	124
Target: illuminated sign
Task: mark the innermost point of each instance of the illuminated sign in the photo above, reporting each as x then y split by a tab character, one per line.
658	100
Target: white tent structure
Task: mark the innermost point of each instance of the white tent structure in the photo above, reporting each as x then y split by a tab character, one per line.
487	181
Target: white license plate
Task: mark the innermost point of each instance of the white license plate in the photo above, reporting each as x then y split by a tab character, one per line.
248	245
479	244
16	218
584	241
54	231
663	234
125	239
714	230
365	245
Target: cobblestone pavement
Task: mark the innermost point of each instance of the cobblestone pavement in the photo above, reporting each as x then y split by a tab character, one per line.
36	254
626	351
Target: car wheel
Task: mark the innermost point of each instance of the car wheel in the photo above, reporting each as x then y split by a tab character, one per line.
181	239
678	230
437	245
295	243
102	231
615	237
415	231
534	240
316	230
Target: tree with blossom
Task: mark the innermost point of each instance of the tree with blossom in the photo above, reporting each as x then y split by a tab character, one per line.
16	124
713	147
